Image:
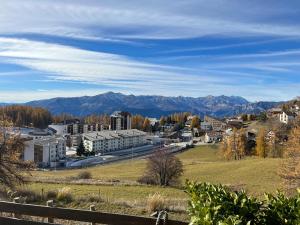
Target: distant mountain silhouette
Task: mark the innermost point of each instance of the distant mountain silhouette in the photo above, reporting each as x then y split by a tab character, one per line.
152	106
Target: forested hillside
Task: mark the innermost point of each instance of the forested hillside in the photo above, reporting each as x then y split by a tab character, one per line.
26	116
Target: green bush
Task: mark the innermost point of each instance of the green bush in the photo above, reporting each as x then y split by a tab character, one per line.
217	205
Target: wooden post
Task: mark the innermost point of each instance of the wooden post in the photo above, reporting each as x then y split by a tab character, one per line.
16	200
92	208
42	193
50	204
99	196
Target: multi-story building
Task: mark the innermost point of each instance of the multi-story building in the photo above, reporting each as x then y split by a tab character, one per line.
75	128
215	123
46	152
120	121
108	141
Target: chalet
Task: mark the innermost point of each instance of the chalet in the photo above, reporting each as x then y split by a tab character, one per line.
206	126
213	136
286	117
274	112
235	123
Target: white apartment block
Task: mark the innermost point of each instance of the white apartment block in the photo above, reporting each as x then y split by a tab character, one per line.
47	152
108	141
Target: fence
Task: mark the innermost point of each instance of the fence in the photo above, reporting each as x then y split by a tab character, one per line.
93	217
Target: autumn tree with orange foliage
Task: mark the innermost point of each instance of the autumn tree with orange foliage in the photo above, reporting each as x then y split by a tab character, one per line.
12	167
261	145
290	168
234	146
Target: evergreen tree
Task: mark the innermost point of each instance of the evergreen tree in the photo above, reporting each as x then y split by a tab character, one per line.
81	149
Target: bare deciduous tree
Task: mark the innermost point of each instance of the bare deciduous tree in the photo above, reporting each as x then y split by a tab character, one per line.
163	168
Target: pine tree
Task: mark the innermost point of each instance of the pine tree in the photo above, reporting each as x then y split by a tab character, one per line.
81	149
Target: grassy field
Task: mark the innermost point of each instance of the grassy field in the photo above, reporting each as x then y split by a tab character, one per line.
200	164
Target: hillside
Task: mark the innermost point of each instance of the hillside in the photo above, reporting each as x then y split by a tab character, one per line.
121	193
152	106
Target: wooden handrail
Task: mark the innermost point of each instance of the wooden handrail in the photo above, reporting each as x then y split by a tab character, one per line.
79	215
14	221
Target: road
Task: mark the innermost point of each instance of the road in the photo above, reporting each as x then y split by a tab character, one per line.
118	156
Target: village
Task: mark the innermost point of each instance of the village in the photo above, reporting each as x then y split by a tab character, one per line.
72	143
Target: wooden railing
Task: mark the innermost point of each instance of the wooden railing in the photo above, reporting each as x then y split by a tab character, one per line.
51	213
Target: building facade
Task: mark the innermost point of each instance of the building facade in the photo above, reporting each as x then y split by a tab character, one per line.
108	141
215	123
47	152
286	117
120	121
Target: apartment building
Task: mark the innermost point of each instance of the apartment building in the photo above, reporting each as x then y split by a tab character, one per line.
46	152
120	121
75	128
108	141
215	123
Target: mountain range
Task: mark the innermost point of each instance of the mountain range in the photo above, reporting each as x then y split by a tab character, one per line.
152	106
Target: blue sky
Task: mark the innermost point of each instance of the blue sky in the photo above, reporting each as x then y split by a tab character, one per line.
51	48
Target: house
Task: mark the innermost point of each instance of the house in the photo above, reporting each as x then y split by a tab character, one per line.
46	152
286	117
213	136
274	112
235	123
295	109
206	126
186	136
153	121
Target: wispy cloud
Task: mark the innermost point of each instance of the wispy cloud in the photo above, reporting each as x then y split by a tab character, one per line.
73	64
97	67
115	20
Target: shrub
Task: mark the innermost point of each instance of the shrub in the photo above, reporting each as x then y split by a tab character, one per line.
84	175
145	179
51	195
216	204
64	195
156	202
90	198
27	195
282	210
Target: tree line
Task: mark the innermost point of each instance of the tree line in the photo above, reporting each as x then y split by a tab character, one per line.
26	116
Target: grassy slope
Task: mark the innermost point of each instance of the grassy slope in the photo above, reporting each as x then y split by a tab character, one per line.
201	164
